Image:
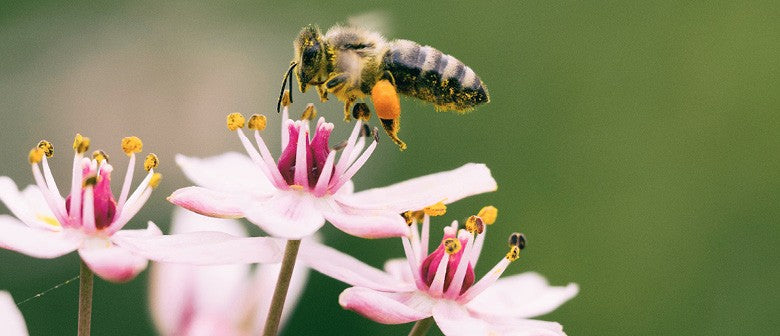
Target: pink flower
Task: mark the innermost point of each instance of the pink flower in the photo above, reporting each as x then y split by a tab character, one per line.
442	284
90	220
215	300
292	198
10	317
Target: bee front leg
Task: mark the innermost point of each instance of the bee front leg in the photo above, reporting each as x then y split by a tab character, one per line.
323	92
347	106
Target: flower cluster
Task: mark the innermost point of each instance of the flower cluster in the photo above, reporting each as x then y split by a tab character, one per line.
203	283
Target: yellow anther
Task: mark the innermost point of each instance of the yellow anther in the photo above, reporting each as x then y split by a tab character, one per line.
47	147
151	162
48	220
90	181
36	155
412	216
155	180
257	122
513	254
235	121
452	245
80	144
100	156
296	187
132	144
309	113
488	214
286	98
475	224
437	209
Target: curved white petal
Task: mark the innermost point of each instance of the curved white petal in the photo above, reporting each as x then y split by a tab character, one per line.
417	193
345	268
230	171
187	221
387	308
288	215
210	202
38	243
10	317
28	205
454	320
111	262
202	248
522	295
399	268
363	223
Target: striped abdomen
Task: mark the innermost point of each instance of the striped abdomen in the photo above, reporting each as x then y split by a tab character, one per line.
430	75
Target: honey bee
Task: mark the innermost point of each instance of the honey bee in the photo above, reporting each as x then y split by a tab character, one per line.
352	63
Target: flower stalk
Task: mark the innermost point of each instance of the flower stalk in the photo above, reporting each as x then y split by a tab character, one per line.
86	278
282	285
421	327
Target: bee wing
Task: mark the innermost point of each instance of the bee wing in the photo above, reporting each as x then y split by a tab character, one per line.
376	20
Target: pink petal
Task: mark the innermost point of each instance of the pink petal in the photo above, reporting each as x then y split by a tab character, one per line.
364	223
387	308
453	319
523	327
343	267
399	268
226	172
522	295
288	215
209	202
202	248
29	205
111	262
38	243
417	193
11	318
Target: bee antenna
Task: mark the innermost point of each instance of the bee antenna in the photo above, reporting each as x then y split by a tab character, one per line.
287	78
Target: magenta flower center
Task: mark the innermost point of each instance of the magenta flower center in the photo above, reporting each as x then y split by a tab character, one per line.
316	150
430	265
104	203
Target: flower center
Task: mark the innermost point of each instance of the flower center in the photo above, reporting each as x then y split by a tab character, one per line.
315	149
103	199
455	248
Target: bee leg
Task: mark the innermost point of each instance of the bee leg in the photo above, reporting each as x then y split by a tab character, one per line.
387	75
335	81
347	108
392	126
323	92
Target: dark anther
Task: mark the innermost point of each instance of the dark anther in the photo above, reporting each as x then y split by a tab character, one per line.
361	112
375	134
517	239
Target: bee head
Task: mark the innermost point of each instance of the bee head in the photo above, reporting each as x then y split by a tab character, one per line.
311	54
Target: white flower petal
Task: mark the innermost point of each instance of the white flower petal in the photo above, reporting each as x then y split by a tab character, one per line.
111	262
345	268
417	193
11	318
288	215
29	205
387	308
522	295
210	202
226	172
364	223
454	320
399	268
38	243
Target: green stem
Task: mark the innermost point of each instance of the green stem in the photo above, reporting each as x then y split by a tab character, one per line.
421	327
86	278
282	285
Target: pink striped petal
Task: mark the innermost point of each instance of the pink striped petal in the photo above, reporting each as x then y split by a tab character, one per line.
226	172
11	318
345	268
288	215
38	243
387	308
522	295
364	223
111	262
209	202
202	248
399	268
417	193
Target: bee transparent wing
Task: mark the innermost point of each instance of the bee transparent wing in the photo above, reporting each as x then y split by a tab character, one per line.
376	20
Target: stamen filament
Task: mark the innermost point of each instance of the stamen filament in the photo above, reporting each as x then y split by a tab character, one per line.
344	160
254	154
322	184
285	133
359	145
131	209
478	247
50	182
414	265
277	179
356	166
437	286
460	272
486	281
134	196
128	180
89	210
57	208
415	238
301	177
426	229
75	188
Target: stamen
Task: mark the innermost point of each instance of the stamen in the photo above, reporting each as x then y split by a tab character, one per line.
155	180
80	144
413	263
47	147
355	166
437	209
461	269
474	224
513	254
36	155
344	160
286	98
488	214
257	122
452	245
426	228
301	174
517	240
100	156
89	207
151	162
90	181
266	158
309	113
437	285
131	145
327	170
361	112
235	121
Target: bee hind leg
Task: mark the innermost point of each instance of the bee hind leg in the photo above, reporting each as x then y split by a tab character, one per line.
347	108
323	92
392	126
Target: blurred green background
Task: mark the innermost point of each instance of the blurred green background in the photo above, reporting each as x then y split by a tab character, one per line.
635	143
